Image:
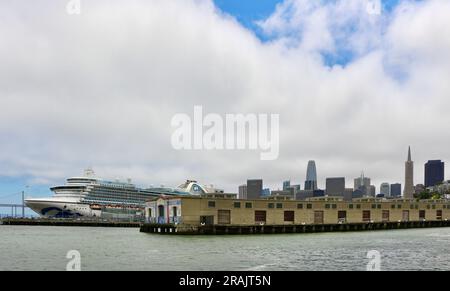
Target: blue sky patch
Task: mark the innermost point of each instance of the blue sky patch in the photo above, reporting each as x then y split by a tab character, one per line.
247	12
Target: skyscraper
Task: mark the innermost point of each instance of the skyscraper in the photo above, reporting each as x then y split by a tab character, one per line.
243	191
361	182
254	188
335	186
372	191
396	190
286	185
434	173
408	192
385	189
311	176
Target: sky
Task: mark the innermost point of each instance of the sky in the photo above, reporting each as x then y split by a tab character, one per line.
353	88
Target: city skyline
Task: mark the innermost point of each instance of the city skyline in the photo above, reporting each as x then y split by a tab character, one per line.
311	165
363	181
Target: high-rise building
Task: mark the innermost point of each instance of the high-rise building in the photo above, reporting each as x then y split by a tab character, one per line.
385	189
254	188
396	190
434	173
335	186
296	188
363	184
358	193
293	189
243	191
372	191
286	185
348	194
311	176
408	192
265	192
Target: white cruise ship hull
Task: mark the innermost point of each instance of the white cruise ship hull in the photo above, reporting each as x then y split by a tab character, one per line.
51	207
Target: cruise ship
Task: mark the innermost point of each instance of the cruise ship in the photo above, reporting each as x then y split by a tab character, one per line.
88	196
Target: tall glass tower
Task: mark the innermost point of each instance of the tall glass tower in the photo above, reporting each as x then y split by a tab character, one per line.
434	173
311	176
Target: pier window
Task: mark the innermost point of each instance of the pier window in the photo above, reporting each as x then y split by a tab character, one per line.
309	206
279	205
358	206
318	217
271	205
439	214
224	216
379	206
207	220
300	206
211	204
161	211
405	215
428	206
374	206
366	215
350	206
289	216
248	205
327	206
334	206
174	211
393	206
237	204
342	216
433	206
399	206
385	215
421	214
260	216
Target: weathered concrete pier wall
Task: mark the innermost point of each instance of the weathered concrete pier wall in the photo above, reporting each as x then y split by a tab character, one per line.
274	229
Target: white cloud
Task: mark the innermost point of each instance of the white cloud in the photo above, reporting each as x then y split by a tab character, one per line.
330	27
100	88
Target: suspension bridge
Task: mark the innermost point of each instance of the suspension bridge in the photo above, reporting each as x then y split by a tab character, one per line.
16	210
13	210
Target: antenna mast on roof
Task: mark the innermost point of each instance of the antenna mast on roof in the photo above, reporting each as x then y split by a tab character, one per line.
89	173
